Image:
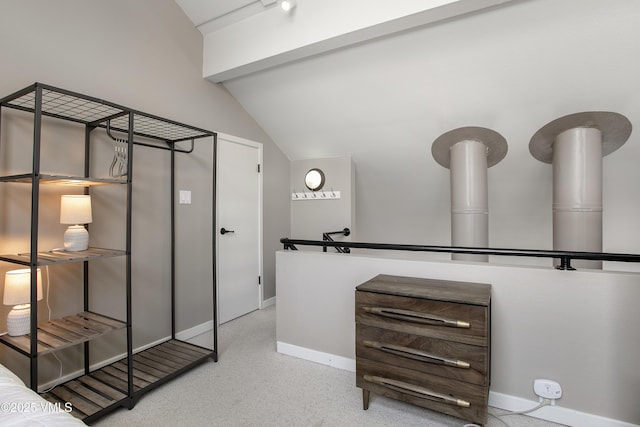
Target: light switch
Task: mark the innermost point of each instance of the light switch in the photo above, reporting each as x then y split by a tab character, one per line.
185	197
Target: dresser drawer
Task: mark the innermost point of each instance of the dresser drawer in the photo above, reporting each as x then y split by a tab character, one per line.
449	359
425	342
465	323
457	398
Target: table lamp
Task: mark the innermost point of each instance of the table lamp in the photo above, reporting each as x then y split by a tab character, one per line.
17	285
75	210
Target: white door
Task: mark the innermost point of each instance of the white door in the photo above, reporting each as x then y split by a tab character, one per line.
239	227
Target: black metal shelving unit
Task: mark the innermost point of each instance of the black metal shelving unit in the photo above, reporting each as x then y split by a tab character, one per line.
121	383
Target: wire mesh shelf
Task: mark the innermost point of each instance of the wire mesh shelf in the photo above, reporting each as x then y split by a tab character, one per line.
84	109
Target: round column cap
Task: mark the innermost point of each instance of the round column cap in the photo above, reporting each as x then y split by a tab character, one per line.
495	143
615	129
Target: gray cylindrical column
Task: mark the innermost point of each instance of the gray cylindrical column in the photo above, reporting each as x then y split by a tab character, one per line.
577	192
468	153
575	145
469	200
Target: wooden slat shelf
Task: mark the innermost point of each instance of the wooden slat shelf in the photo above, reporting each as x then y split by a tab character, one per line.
27	178
60	257
65	332
105	389
119	384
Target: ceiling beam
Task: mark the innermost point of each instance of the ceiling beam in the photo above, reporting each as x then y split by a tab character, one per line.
273	37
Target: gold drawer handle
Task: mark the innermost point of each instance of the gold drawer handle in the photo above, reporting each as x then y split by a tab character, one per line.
416	391
416	317
412	353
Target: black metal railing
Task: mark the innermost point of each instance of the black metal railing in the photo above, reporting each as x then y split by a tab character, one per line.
326	237
565	257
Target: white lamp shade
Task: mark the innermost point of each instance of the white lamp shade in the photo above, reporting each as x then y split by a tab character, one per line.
75	209
17	286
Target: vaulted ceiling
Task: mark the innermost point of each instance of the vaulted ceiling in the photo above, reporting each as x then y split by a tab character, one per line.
355	77
380	81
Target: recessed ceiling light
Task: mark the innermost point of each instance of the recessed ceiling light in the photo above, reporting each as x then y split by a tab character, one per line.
287	5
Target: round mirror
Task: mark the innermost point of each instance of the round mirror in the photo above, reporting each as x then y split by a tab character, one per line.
314	179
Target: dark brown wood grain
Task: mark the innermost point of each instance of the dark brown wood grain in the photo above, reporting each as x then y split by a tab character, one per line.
66	331
477	396
439	290
476	356
107	386
475	315
435	354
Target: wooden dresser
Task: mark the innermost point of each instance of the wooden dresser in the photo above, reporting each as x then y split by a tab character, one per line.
426	342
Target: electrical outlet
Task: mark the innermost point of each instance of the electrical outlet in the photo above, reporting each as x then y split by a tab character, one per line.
547	389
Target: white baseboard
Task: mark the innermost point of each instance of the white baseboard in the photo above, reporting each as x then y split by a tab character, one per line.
332	360
269	302
556	413
200	329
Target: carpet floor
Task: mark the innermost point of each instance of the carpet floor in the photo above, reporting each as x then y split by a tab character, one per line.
253	385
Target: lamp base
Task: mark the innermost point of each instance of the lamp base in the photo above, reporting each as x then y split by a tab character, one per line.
76	238
19	320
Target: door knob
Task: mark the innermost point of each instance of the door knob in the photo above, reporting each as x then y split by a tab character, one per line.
225	231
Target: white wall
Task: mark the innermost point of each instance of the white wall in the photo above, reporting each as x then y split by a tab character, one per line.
312	217
578	328
268	37
510	68
145	55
